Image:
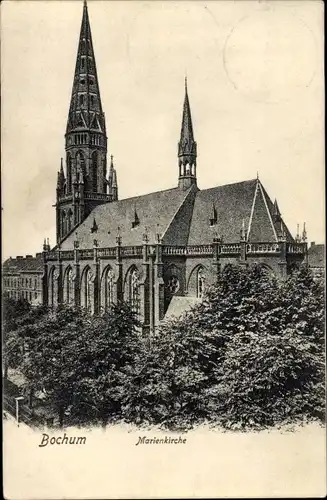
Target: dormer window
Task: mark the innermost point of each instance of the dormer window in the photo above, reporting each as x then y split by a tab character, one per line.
81	100
213	216
136	220
94	228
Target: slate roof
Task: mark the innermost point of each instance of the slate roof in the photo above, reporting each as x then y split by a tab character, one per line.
154	213
316	255
232	204
182	217
179	305
23	264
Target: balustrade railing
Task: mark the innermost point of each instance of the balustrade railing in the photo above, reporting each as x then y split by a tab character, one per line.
97	196
295	248
224	249
67	254
229	248
85	254
259	248
52	255
187	250
107	252
131	251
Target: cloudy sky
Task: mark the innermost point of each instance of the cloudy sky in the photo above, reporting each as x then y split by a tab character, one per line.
255	76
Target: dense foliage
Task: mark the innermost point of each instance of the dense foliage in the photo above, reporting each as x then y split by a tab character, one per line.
250	355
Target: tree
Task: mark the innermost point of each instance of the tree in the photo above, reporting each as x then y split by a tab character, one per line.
13	313
80	361
251	354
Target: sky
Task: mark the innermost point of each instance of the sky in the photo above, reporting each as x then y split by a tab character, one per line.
255	84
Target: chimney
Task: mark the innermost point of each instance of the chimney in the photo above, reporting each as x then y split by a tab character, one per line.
312	244
29	256
19	257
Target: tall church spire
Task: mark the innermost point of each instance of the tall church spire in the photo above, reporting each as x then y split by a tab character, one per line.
85	110
86	183
187	150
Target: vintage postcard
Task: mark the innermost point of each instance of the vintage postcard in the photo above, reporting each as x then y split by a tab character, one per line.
163	249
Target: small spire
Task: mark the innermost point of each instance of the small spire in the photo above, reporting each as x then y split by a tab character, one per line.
304	233
298	238
114	178
187	148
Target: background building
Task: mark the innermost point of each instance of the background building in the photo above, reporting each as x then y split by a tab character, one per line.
22	277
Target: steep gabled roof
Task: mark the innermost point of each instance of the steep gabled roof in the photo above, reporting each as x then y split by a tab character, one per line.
242	203
232	204
155	213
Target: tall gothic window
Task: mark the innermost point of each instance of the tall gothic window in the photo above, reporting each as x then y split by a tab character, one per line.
107	289
86	290
200	282
94	172
80	163
133	292
68	287
51	289
63	223
69	219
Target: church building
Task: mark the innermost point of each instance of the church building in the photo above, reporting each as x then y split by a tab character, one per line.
158	250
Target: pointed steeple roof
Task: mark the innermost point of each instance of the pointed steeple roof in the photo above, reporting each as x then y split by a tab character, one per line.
85	109
187	144
187	126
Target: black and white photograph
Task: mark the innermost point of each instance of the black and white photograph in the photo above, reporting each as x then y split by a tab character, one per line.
163	249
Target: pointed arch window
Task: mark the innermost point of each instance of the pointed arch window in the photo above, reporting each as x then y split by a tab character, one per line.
51	289
133	290
80	163
68	287
107	289
86	290
200	283
69	173
94	171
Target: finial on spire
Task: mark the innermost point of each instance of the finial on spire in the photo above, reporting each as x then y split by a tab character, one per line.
257	175
185	83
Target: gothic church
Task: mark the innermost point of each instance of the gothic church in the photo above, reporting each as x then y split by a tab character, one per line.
157	251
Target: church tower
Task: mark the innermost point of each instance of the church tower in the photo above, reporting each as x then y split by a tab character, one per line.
187	148
85	184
